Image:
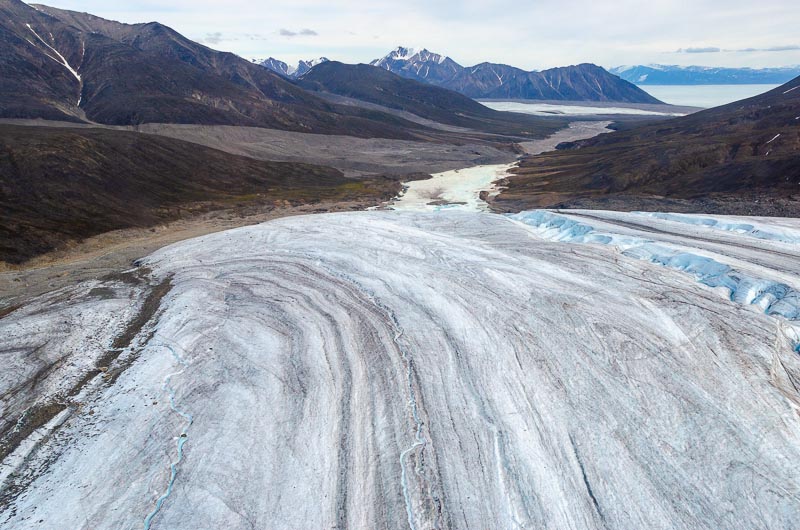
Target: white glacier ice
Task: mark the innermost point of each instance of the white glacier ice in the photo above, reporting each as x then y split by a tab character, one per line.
747	226
774	297
419	370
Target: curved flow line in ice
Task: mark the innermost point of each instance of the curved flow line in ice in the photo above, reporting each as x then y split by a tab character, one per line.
182	439
739	227
419	439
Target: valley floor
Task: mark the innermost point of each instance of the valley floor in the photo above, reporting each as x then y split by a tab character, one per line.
467	189
417	370
355	157
113	252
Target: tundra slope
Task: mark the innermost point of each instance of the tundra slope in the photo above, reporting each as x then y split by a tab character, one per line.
740	159
65	65
60	185
408	370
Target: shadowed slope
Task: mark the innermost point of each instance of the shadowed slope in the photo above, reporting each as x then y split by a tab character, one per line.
739	158
58	185
382	87
65	65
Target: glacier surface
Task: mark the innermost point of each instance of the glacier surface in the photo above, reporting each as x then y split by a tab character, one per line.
416	370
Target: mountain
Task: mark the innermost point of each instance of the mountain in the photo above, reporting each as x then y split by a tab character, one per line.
740	158
658	74
420	65
277	66
35	81
583	82
305	66
73	66
291	71
59	185
381	87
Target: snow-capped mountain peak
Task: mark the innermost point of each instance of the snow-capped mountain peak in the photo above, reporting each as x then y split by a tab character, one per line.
277	66
305	66
408	54
421	64
314	62
425	55
290	70
401	53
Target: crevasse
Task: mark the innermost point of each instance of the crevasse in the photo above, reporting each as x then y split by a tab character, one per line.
774	298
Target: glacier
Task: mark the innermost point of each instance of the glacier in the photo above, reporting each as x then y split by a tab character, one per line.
773	297
746	226
406	369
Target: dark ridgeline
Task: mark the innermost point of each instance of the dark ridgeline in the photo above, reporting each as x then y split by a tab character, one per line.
741	158
381	87
583	82
145	73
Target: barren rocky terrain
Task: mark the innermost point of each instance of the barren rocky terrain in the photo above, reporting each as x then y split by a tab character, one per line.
740	159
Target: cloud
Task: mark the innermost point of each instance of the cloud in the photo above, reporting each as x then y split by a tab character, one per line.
714	49
216	37
788	48
212	38
531	35
709	49
303	33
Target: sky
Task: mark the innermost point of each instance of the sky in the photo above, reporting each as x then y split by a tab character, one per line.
532	34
